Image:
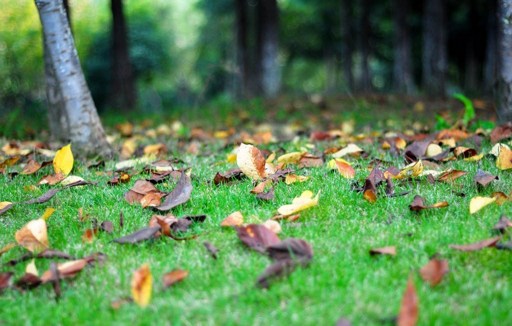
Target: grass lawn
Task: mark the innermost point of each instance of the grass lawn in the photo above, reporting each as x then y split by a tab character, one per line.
342	280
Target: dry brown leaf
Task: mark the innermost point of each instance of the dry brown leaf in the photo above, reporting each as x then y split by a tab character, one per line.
450	175
257	237
33	236
152	199
142	284
477	245
66	270
390	250
409	311
434	271
252	163
31	167
233	219
173	277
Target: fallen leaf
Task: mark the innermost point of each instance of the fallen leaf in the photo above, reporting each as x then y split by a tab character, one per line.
31	268
450	175
478	202
43	198
294	249
233	219
52	179
434	271
33	236
267	196
72	180
501	225
173	277
251	162
291	158
370	195
47	213
107	226
89	235
5	280
293	178
433	150
391	251
477	245
28	282
415	169
408	315
5	206
31	167
65	270
272	226
504	160
180	194
419	205
257	237
6	248
139	236
304	201
483	178
345	169
63	160
350	149
501	197
142	284
501	132
260	187
227	177
152	199
211	249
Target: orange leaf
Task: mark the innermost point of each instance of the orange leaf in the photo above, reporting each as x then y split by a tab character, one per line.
434	271
33	236
233	219
174	276
142	283
408	315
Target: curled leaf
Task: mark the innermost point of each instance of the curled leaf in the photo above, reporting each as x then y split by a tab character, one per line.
304	201
33	236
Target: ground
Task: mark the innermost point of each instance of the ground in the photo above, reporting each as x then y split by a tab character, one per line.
342	281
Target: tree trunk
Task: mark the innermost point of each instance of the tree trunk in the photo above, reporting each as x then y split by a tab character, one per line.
434	48
123	95
347	47
366	81
402	66
504	105
75	118
491	50
242	48
268	47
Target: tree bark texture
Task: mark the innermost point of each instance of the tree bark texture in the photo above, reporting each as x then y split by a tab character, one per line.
268	47
123	94
402	65
242	48
347	47
434	48
366	79
491	49
75	118
504	105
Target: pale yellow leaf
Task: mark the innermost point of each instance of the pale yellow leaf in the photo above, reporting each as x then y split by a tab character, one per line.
351	149
290	158
33	236
272	226
306	200
63	160
478	202
31	268
433	150
71	179
292	178
252	163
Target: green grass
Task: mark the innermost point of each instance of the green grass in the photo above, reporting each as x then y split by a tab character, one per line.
341	281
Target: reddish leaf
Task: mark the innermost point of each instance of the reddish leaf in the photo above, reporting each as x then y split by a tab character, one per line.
451	175
139	236
31	167
227	177
233	219
143	187
257	237
5	280
173	277
65	270
391	251
408	315
180	194
434	271
477	245
28	282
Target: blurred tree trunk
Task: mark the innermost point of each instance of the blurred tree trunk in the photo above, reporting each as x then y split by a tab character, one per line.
74	118
242	48
366	80
434	48
268	47
402	66
347	47
491	46
504	105
123	94
68	14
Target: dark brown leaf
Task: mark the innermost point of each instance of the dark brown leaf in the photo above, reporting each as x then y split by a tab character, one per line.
257	237
28	282
408	315
139	236
477	245
173	277
279	268
267	196
211	249
46	254
434	271
502	224
121	220
44	198
391	251
180	194
227	177
107	226
294	249
55	279
501	132
483	178
181	225
416	150
419	205
5	280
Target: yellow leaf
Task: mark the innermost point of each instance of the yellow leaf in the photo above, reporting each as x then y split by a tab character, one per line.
33	236
71	179
414	169
31	268
306	200
433	150
231	158
63	160
142	284
292	178
47	213
290	158
477	203
351	149
504	160
474	158
252	163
